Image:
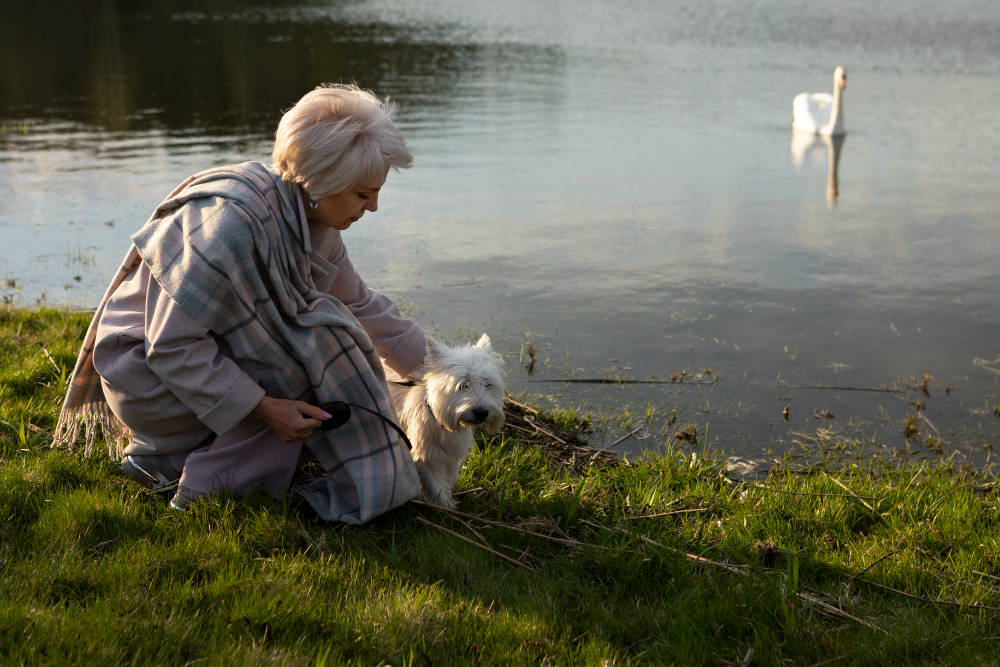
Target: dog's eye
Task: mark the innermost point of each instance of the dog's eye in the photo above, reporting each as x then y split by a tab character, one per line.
464	385
488	385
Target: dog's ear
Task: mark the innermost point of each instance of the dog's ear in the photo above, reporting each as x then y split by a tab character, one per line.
484	343
434	349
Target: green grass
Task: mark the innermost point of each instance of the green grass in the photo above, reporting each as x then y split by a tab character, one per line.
93	571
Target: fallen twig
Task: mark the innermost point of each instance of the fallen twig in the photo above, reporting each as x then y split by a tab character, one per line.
835	612
821	606
748	658
939	500
653	516
738	569
988	576
876	562
471	541
518	428
545	430
827	661
473	530
844	487
524	407
700	560
742	570
804	493
923	599
626	436
501	524
635	643
562	445
53	361
882	390
231	510
617	381
924	417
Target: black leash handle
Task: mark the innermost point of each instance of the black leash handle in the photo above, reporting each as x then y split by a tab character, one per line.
340	413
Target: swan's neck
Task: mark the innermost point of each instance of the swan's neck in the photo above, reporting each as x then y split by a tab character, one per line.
836	126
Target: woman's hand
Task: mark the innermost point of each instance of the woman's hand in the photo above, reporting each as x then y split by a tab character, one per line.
291	420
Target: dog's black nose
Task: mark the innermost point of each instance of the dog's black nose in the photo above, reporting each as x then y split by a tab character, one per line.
480	414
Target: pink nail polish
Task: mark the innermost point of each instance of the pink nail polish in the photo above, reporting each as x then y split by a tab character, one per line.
326	416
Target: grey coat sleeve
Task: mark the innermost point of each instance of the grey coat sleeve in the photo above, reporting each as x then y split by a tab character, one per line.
183	353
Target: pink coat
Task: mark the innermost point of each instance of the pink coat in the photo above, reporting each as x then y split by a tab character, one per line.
177	385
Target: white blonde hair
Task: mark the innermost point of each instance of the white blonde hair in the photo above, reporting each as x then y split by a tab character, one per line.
338	136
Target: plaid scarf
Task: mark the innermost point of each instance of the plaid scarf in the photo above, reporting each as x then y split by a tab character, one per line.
231	246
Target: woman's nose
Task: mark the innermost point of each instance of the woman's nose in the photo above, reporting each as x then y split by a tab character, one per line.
372	204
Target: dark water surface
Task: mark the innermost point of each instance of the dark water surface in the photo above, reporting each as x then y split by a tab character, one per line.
614	186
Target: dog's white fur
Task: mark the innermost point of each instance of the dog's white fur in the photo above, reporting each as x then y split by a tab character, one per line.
463	388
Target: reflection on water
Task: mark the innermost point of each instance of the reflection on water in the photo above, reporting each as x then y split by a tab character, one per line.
807	144
607	183
122	67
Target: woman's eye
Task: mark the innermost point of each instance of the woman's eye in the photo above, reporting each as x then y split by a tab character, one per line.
365	196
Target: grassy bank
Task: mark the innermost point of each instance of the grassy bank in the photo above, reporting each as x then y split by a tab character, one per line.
658	561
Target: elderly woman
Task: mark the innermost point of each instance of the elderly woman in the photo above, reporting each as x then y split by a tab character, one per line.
237	313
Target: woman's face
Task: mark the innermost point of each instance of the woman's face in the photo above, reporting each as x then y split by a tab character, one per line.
344	208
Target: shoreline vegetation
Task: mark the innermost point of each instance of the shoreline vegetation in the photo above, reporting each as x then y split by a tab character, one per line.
559	554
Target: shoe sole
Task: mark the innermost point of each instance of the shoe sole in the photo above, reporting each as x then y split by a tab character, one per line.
154	480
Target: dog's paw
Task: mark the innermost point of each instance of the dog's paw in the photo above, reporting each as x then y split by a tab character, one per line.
442	499
446	501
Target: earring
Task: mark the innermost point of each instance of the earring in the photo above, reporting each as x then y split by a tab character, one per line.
313	205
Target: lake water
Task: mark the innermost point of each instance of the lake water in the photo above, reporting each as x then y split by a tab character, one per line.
613	187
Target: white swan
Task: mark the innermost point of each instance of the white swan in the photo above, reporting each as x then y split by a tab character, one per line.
821	113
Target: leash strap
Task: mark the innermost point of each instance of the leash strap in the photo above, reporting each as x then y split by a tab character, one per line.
388	421
341	413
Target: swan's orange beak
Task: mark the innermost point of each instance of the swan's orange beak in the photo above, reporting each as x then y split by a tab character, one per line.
843	82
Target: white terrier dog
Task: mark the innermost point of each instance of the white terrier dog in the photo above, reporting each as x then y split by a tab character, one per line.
462	388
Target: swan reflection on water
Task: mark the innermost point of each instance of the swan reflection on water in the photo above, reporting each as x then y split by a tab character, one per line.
807	144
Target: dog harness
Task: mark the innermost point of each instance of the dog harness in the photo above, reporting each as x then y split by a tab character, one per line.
411	383
428	404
